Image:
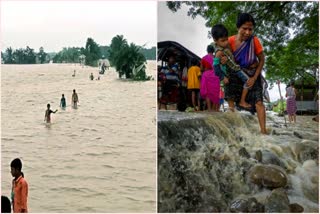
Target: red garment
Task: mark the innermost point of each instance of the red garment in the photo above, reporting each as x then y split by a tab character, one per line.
20	191
257	45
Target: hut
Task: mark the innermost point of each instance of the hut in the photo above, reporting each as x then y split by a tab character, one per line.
306	97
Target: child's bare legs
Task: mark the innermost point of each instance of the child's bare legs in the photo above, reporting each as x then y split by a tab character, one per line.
243	102
195	100
208	102
193	97
215	107
198	101
231	105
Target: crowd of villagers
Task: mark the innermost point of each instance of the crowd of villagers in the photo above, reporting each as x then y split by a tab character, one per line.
231	71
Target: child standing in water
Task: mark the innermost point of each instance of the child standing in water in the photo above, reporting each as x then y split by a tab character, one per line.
19	194
75	98
63	102
47	116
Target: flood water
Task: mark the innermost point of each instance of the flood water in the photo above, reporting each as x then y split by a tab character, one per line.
201	166
100	157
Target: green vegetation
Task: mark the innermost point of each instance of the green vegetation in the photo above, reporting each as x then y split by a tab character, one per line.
289	32
127	59
19	56
92	51
280	106
68	55
149	54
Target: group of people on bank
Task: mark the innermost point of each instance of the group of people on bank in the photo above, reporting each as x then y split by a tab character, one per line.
235	62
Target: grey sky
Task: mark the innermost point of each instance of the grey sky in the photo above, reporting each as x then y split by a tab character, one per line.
192	34
58	24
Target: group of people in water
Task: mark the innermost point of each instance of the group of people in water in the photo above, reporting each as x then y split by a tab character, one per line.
63	105
235	62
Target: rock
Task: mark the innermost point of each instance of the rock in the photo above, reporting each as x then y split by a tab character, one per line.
298	135
250	205
315	179
277	202
246	165
239	206
306	135
306	151
296	208
254	206
268	157
259	155
270	176
244	153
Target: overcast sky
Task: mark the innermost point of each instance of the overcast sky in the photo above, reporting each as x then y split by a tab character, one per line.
192	34
58	24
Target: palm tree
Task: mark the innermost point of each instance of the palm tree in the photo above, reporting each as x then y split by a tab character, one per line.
92	52
117	43
127	59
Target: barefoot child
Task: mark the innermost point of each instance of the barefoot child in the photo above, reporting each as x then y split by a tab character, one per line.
19	194
220	37
47	116
193	84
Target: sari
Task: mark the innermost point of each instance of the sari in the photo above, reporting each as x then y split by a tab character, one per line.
245	56
210	83
291	101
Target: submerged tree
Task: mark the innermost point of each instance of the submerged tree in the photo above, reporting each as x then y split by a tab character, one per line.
92	52
8	58
127	59
289	31
30	56
118	43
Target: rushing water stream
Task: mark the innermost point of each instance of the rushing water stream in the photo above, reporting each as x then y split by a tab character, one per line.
219	163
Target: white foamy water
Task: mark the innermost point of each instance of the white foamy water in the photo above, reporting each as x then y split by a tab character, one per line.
201	168
100	157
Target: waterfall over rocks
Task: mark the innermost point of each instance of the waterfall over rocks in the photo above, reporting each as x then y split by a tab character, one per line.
220	162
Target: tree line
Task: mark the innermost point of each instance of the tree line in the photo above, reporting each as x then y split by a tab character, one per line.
128	59
92	51
24	56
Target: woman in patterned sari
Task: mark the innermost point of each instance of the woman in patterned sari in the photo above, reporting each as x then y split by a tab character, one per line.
248	53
